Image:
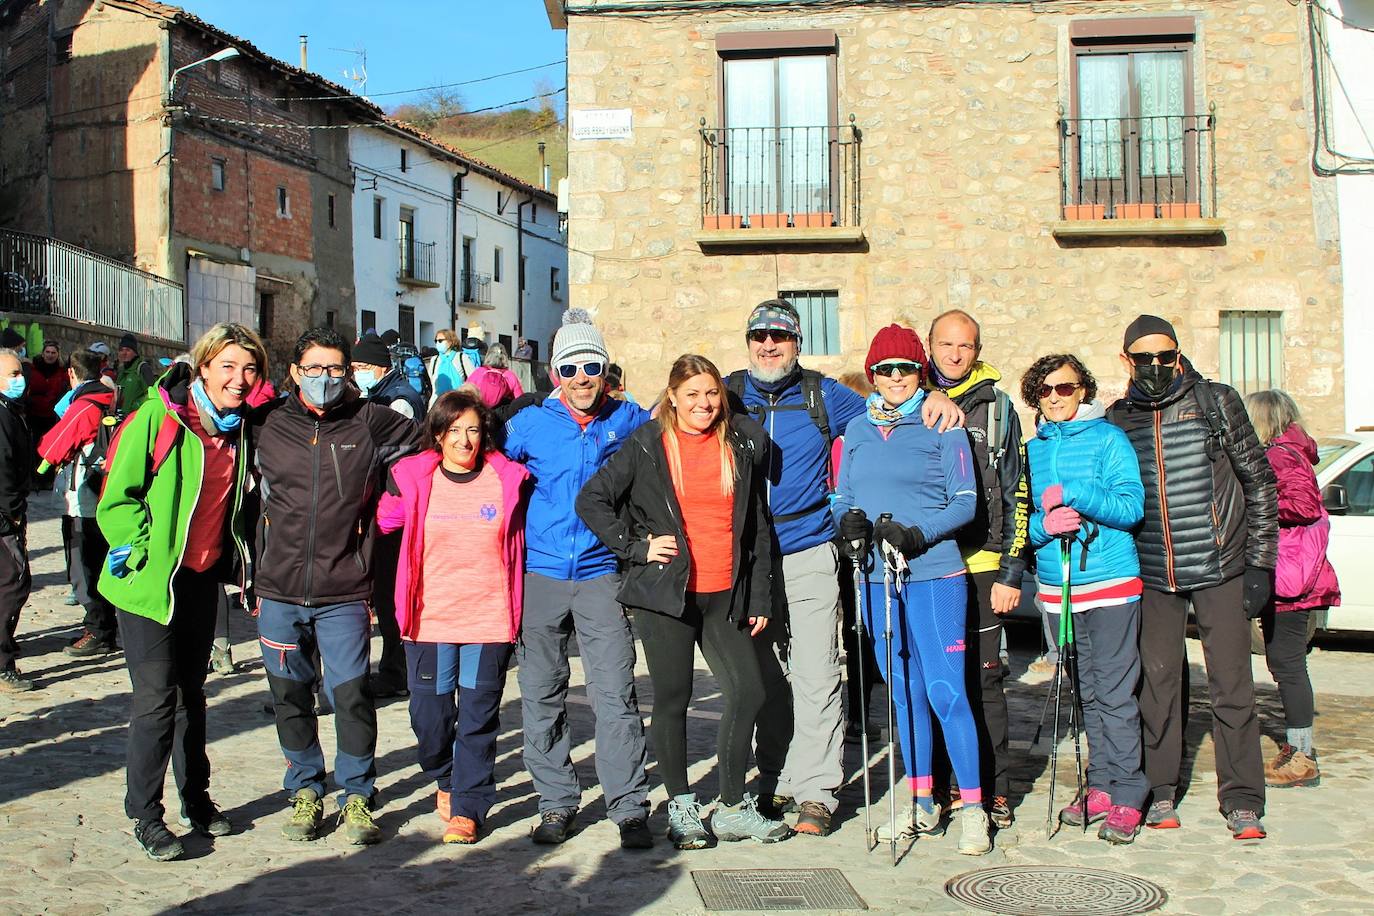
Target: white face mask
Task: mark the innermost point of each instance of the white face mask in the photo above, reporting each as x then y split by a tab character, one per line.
441	346
365	379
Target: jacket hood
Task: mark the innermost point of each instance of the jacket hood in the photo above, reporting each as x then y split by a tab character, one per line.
1296	438
981	374
175	387
1089	413
427	462
94	390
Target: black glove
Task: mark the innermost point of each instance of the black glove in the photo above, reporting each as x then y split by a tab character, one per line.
910	541
856	532
1259	589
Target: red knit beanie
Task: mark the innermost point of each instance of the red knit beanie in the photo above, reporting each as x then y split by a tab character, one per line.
894	342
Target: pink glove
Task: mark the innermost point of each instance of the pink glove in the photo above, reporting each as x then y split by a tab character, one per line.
1052	498
1061	520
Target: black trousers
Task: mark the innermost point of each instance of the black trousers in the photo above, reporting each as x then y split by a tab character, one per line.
167	667
1225	633
386	556
669	648
15	584
88	551
1285	650
856	654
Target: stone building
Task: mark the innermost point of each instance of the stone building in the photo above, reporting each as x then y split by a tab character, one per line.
1052	167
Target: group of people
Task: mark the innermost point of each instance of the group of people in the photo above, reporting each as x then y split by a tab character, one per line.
727	518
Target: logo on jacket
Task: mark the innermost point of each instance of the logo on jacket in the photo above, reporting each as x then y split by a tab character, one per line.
488	512
610	435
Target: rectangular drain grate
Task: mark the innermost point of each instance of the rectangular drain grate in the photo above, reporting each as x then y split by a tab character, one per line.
776	889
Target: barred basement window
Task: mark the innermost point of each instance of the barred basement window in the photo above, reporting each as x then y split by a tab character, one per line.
820	319
1252	350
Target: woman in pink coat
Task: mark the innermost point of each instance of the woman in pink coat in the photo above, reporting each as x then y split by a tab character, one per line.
461	506
1304	580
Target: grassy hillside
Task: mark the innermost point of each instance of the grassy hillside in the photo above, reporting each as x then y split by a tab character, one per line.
508	140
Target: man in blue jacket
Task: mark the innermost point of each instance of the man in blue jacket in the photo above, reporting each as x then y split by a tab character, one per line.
571	581
800	734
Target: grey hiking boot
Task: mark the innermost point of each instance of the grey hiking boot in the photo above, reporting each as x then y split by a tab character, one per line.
306	811
732	823
685	829
358	826
906	826
973	831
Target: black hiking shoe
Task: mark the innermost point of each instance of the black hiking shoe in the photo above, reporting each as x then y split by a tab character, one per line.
11	681
775	806
634	834
1000	812
89	645
207	820
553	828
157	841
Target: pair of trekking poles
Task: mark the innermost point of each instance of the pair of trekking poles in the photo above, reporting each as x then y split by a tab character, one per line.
894	565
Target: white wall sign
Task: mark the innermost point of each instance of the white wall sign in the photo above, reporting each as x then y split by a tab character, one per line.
602	124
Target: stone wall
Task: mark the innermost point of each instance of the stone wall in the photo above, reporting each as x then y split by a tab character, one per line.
960	184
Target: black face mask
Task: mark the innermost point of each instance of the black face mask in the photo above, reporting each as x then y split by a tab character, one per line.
1154	380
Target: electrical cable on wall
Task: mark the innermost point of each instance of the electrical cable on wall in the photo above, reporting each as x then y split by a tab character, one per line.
1322	58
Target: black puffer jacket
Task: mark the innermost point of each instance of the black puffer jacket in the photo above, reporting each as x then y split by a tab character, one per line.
16	464
632	496
1219	498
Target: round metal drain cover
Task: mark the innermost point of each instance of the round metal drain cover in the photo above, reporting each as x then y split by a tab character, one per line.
1048	890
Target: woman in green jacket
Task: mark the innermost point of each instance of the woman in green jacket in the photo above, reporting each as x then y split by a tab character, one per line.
173	512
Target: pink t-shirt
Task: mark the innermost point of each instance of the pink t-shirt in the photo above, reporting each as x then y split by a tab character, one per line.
463	533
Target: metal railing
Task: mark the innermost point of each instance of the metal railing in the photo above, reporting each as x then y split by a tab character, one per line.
416	261
474	289
1138	168
775	177
44	276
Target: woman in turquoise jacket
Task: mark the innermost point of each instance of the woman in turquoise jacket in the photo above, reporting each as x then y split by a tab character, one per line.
1085	483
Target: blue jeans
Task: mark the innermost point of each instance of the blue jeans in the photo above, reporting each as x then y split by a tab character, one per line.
287	633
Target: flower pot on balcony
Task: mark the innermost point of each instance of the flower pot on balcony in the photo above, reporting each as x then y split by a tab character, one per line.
1085	211
1135	211
1180	211
768	221
722	221
813	220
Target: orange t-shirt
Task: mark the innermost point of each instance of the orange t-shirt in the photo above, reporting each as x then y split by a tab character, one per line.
205	535
463	531
707	515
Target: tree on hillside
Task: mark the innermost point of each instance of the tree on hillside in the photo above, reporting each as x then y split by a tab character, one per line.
433	108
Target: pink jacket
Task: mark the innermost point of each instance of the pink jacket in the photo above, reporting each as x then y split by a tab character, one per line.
1303	524
406	509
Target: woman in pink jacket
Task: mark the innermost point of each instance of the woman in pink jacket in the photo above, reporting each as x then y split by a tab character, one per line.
1304	580
461	505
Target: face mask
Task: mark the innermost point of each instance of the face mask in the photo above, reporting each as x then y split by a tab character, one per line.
365	379
321	392
224	422
1154	380
441	346
15	388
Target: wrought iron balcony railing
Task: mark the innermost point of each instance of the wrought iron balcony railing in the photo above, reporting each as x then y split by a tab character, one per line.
474	289
780	177
417	263
1138	168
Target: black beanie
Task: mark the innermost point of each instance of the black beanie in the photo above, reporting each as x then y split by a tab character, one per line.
1144	326
371	351
130	341
11	338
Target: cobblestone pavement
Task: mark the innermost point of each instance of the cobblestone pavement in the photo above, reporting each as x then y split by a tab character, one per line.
67	848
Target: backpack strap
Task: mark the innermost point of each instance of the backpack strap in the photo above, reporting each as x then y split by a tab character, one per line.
815	403
1216	421
997	414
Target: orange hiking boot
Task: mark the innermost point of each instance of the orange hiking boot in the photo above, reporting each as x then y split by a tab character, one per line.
461	830
441	804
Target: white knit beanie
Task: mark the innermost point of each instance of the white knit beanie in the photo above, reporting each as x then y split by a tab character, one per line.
578	340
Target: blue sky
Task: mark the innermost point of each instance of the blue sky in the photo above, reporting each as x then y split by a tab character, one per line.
410	43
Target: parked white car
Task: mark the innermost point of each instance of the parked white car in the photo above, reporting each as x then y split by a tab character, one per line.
1345	474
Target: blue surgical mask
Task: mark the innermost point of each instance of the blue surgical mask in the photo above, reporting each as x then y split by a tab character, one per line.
441	346
15	388
321	392
365	379
225	422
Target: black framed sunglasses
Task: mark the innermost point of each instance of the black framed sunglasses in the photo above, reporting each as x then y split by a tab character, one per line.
1165	357
762	335
892	370
1063	389
569	370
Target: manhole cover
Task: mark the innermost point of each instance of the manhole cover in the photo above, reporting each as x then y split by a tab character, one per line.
776	889
1047	890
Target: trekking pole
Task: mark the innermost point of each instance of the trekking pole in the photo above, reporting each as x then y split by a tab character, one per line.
1056	686
1069	647
856	551
893	563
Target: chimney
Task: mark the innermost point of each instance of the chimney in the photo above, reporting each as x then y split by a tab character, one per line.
543	167
303	57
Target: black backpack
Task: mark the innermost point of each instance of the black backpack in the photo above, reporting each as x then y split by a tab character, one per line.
812	397
95	461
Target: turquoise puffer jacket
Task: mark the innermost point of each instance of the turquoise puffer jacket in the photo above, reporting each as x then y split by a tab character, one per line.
1101	477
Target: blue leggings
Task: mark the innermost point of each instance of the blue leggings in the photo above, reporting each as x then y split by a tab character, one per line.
929	623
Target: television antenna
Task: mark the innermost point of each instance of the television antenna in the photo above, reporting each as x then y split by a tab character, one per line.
358	74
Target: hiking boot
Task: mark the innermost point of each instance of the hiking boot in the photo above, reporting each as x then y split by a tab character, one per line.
733	823
853	732
1121	826
11	681
554	827
685	829
1042	665
1292	768
1000	813
814	819
358	826
88	645
1162	816
306	811
1245	824
973	831
906	826
1099	804
207	820
928	822
222	660
460	830
385	687
441	805
634	834
70	600
157	841
775	806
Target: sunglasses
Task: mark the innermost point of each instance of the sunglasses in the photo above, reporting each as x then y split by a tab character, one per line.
590	370
762	336
892	370
1165	357
1063	389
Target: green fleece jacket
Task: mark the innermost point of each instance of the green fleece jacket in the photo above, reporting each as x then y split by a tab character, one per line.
152	485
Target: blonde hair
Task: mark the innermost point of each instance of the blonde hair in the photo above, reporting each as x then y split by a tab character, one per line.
224	334
449	335
1272	412
688	366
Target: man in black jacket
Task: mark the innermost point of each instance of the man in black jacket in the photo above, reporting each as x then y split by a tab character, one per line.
16	464
1209	539
321	452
